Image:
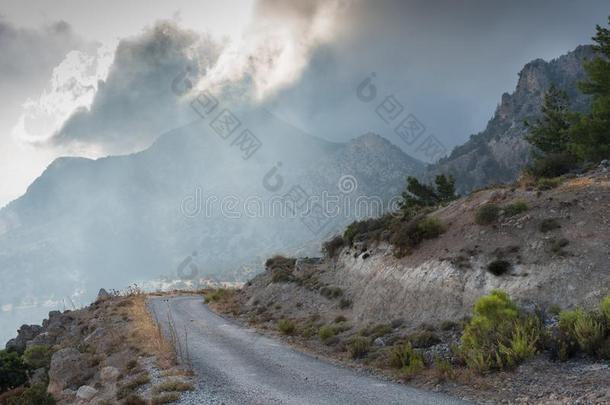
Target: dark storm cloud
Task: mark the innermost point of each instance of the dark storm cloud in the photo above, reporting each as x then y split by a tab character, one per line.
136	103
447	61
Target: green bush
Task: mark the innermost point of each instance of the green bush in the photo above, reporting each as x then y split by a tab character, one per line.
34	395
515	208
499	267
498	336
331	292
12	371
553	165
326	332
547	184
286	326
407	234
487	214
589	333
406	359
216	295
281	268
358	346
604	307
444	369
37	356
548	224
423	339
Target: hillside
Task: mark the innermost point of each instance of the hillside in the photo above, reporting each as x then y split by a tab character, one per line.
497	154
123	219
549	255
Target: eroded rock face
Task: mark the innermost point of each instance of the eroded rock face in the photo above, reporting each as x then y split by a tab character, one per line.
497	154
69	369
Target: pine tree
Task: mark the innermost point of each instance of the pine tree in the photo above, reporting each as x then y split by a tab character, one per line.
591	134
550	133
445	188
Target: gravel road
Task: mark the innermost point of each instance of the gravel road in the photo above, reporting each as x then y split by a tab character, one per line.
236	365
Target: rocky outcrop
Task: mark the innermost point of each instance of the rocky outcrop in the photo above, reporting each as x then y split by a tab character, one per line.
497	154
68	370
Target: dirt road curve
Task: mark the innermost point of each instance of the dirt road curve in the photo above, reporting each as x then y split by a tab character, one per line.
236	365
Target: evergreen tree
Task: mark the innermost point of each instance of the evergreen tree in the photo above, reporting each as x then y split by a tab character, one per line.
550	133
445	188
591	134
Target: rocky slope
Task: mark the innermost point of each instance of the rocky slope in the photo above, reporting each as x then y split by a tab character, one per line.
555	256
497	154
110	352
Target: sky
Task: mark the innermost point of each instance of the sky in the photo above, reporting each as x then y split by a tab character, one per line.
95	78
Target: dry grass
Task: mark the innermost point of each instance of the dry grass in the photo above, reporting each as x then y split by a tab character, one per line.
577	183
147	335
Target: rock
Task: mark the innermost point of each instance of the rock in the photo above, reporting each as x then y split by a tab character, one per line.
24	335
86	392
103	295
39	376
110	373
69	368
379	342
44	339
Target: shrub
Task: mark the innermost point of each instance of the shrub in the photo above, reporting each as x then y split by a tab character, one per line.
589	333
407	234
326	332
340	318
345	303
547	184
498	335
557	245
37	356
216	295
286	326
331	292
553	165
12	371
499	267
548	224
375	331
487	214
604	307
423	339
430	228
515	208
34	395
333	246
406	359
358	347
444	369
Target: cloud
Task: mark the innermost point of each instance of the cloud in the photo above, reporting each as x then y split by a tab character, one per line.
28	57
276	47
114	102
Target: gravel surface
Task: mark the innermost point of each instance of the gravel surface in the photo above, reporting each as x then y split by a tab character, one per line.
236	365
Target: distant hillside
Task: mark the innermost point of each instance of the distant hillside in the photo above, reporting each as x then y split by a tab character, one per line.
116	220
497	154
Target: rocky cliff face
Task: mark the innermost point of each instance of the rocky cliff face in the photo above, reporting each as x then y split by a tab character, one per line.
497	154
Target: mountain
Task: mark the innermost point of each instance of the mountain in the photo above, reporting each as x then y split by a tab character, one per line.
497	154
188	207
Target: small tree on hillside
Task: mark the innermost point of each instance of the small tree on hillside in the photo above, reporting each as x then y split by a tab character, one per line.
591	134
418	195
550	133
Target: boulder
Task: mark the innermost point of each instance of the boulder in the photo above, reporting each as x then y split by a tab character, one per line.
110	374
86	392
69	369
